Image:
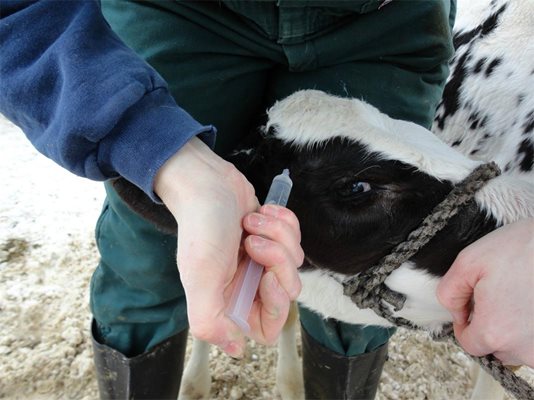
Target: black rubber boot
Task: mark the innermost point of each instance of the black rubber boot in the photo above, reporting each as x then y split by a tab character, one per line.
330	375
155	374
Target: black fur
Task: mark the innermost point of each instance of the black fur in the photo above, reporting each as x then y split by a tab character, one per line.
491	67
348	234
528	126
451	92
479	65
526	152
462	230
483	29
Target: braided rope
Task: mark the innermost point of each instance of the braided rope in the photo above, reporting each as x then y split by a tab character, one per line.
367	289
514	384
364	288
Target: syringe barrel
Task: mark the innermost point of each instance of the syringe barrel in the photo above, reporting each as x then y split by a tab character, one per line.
248	281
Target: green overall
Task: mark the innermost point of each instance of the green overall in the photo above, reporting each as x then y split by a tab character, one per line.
226	62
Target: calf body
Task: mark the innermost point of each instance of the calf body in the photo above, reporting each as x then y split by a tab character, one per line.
487	111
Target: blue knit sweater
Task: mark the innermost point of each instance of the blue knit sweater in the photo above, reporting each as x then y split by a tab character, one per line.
83	98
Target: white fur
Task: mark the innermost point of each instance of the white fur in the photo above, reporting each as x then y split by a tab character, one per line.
323	293
507	198
196	378
289	379
311	117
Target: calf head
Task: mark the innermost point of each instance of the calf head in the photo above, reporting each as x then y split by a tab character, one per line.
361	181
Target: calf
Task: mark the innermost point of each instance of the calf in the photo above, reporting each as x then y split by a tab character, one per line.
363	181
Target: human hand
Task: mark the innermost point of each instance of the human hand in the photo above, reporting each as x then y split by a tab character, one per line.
212	203
489	291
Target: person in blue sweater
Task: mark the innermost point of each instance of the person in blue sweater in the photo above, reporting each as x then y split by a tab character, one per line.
157	92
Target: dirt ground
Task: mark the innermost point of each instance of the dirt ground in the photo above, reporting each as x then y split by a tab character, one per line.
47	255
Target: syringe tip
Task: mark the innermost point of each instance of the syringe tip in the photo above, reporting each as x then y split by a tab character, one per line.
285	171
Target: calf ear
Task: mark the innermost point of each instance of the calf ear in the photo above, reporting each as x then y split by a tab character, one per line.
140	203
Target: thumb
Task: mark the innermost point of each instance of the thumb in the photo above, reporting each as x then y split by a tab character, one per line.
469	338
455	290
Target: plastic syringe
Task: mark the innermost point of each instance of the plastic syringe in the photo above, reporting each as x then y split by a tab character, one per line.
249	279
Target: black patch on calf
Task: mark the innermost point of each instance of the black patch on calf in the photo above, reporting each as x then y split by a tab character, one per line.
479	65
491	23
467	226
526	149
483	29
528	126
349	234
491	67
476	121
451	93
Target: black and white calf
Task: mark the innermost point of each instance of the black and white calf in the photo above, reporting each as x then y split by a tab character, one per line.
363	181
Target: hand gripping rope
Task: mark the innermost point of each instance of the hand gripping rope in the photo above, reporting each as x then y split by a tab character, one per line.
367	289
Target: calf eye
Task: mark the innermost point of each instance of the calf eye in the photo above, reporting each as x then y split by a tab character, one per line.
360	187
354	188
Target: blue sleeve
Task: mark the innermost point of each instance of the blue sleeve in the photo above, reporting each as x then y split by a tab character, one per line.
83	98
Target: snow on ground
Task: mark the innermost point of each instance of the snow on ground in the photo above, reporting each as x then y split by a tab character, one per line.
47	255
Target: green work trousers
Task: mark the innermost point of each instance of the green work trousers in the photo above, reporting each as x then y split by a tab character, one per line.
226	62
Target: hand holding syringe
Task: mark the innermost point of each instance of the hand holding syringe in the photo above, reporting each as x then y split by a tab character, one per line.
248	282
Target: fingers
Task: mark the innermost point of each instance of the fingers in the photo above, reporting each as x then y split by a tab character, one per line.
469	337
455	290
488	331
275	243
269	312
206	308
278	223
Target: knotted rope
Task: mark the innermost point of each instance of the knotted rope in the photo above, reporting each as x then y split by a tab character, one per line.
367	289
